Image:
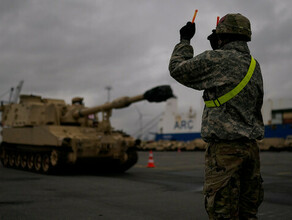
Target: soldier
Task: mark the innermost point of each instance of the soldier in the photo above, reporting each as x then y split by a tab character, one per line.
232	120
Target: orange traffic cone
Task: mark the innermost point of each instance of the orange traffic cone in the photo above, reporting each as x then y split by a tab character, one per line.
150	160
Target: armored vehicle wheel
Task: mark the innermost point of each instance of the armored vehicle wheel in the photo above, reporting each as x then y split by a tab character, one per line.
38	162
54	157
11	159
6	159
30	162
45	163
132	158
18	160
23	162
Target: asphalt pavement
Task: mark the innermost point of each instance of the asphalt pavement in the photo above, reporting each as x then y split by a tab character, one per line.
171	190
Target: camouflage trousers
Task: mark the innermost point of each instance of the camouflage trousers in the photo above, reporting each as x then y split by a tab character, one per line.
233	183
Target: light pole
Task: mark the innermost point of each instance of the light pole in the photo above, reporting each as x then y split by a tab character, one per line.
108	88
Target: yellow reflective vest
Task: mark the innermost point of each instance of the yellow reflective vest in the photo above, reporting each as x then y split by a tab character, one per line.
225	98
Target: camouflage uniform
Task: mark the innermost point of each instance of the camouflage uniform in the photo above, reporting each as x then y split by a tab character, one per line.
233	184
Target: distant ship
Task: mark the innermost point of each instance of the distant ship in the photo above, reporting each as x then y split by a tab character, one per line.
178	126
277	115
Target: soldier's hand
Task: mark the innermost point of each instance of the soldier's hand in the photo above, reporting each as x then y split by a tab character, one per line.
213	38
188	31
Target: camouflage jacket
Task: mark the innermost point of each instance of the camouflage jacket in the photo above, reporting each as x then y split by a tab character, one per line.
217	72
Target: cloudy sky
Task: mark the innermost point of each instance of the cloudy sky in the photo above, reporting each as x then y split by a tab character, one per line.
67	48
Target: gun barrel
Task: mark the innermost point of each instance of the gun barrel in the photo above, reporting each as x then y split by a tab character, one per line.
117	103
156	94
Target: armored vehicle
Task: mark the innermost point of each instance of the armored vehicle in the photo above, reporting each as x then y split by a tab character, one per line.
42	134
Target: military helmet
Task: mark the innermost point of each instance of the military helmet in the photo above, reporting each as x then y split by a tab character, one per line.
77	100
234	24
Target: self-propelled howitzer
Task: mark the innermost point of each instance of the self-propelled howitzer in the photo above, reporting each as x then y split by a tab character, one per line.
41	134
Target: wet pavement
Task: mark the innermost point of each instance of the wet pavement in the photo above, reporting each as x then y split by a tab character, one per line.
171	190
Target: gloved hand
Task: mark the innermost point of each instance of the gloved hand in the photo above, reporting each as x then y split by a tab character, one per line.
188	31
213	38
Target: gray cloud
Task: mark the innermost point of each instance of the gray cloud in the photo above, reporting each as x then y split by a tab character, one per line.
67	48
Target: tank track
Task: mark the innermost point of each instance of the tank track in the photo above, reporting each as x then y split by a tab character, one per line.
106	165
51	159
131	161
38	159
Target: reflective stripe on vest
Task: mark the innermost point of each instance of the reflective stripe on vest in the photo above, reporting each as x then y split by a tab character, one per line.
225	98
